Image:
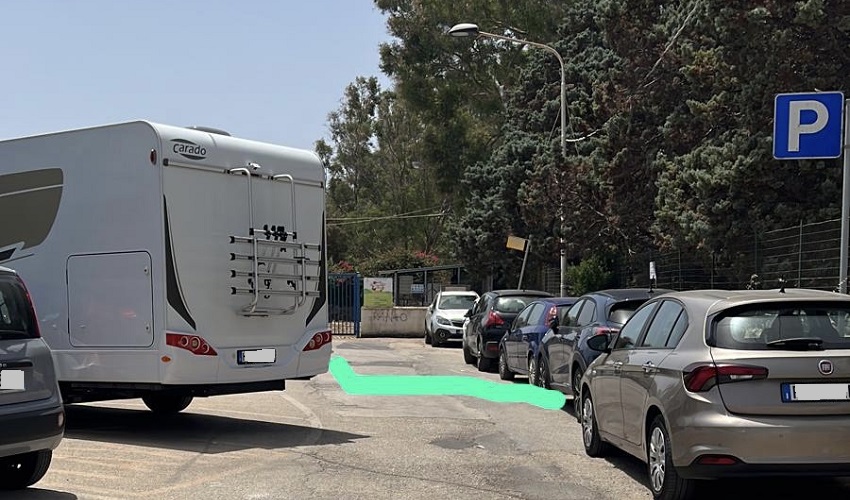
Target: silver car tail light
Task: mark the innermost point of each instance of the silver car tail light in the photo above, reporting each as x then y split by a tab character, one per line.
702	377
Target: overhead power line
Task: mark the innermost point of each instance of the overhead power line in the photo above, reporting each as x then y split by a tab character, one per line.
348	222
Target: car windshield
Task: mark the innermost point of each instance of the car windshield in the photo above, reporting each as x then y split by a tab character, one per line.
512	304
457	302
763	328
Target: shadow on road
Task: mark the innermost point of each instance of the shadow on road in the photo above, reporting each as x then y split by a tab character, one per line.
735	489
193	432
570	409
774	488
40	494
449	345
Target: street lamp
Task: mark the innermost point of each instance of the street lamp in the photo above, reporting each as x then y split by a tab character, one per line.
469	30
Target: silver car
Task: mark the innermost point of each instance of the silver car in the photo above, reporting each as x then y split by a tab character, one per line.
31	412
444	318
713	384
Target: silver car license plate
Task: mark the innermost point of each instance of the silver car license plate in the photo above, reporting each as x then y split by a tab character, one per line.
792	393
255	356
12	380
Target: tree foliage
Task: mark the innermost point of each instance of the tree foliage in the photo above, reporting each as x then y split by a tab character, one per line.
669	108
380	201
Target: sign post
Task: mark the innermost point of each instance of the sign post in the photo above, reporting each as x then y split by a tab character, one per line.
808	126
845	206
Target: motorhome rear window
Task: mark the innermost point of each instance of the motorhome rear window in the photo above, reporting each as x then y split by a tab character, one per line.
16	318
763	327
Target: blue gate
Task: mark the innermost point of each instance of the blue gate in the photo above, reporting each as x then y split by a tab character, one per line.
344	299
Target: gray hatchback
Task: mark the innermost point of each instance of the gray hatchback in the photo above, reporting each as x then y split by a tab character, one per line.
32	417
713	384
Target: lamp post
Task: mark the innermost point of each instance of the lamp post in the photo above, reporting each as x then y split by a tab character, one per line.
469	30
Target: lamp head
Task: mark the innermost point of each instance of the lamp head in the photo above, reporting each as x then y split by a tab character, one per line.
464	30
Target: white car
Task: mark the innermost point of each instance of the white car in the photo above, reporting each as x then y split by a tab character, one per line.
444	317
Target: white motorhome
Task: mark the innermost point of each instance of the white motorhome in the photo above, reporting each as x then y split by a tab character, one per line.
168	262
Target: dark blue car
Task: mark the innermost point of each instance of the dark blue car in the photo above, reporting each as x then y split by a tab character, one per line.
519	350
565	354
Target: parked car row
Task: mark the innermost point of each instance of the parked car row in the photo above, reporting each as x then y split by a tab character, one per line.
699	385
489	320
31	412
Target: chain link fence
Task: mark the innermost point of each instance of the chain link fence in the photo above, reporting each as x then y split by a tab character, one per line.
804	256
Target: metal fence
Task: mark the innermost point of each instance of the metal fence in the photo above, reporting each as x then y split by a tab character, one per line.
344	299
804	256
418	286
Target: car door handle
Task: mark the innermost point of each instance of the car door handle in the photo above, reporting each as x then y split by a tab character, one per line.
649	367
618	366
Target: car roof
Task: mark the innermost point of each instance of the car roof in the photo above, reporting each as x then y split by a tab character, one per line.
460	292
563	301
629	293
532	293
714	301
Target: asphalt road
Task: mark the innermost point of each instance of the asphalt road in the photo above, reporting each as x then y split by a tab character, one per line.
314	441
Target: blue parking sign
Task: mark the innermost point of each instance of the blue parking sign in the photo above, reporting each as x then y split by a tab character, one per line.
808	126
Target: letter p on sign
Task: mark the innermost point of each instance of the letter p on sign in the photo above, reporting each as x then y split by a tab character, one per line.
808	126
796	127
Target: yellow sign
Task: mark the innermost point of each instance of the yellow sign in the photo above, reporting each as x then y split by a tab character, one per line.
515	243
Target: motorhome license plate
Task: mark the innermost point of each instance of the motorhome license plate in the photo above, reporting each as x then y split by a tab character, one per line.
792	393
12	380
255	356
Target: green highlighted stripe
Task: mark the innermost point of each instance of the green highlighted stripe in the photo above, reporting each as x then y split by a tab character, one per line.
439	385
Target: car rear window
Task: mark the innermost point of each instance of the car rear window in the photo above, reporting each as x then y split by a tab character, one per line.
562	311
457	302
768	327
16	317
622	311
512	304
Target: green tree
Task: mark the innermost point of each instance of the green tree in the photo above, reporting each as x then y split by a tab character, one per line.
718	181
379	198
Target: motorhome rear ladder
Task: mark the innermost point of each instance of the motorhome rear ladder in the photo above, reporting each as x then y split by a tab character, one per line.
274	291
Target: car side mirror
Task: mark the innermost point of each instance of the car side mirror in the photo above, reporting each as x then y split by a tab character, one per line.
553	323
599	343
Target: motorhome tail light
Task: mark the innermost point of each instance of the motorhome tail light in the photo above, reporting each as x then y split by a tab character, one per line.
192	343
318	340
493	319
702	377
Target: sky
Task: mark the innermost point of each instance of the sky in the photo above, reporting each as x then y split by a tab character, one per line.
260	69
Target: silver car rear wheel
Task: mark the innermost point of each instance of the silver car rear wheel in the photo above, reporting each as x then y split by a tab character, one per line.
657	459
664	479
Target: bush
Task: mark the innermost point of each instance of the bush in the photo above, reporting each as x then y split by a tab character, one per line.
589	276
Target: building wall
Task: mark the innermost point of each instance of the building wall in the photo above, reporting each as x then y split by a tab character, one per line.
393	322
